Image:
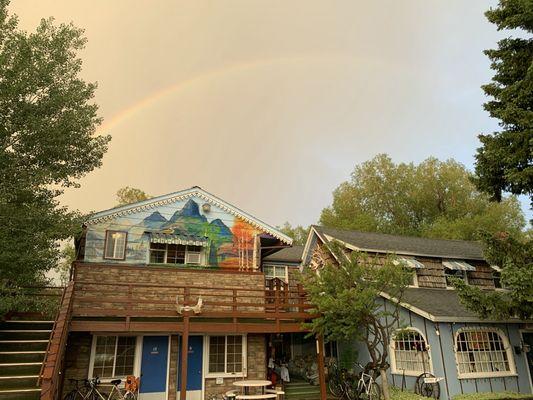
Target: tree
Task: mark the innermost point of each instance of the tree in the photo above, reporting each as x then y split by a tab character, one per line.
47	142
432	199
515	258
128	195
347	300
297	233
504	162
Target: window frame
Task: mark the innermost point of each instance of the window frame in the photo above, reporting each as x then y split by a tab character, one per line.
274	266
136	359
202	255
106	241
394	369
465	277
484	374
225	374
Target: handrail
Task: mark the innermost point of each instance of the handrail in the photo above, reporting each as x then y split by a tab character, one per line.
135	299
49	375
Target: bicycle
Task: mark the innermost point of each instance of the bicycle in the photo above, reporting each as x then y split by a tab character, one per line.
92	392
367	388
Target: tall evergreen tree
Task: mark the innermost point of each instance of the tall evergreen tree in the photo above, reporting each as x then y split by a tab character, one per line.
47	142
505	158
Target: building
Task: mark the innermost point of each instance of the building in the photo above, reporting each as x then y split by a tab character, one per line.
186	288
172	289
438	335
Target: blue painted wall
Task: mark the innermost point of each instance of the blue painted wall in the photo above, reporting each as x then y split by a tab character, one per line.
443	358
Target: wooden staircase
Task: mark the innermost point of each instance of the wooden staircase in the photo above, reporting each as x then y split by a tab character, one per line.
23	343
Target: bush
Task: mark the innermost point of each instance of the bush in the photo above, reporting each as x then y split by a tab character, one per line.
493	396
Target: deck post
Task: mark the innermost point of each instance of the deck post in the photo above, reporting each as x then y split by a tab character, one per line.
184	357
321	367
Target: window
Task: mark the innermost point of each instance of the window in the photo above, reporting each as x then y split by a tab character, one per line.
161	253
275	271
411	264
226	355
115	245
497	276
451	273
113	356
482	353
410	353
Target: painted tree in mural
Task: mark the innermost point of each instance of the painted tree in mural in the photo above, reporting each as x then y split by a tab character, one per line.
432	199
504	162
47	142
347	297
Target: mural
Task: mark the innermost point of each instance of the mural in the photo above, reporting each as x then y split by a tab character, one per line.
228	240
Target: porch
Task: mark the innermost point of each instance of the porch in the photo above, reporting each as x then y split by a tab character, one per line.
179	305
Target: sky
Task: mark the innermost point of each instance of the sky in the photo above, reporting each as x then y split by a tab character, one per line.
271	104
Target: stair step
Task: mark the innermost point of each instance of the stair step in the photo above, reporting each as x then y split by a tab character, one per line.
19	369
18	377
19	364
10	357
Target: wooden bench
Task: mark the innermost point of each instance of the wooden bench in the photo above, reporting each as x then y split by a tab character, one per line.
256	396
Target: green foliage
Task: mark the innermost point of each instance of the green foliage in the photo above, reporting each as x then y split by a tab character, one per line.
297	233
128	195
492	396
347	299
47	142
504	162
432	199
397	394
68	255
515	257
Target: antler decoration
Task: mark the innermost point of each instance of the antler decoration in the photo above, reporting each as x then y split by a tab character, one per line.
197	309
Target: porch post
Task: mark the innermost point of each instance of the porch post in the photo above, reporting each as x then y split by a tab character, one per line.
184	357
321	367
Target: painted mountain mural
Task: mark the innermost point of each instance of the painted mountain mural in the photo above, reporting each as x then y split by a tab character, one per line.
230	239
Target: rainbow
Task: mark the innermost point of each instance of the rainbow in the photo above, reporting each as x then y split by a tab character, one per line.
156	96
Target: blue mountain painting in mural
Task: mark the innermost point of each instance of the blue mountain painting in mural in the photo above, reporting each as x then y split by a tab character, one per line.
154	220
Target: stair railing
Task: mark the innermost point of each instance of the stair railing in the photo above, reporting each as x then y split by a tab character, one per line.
51	370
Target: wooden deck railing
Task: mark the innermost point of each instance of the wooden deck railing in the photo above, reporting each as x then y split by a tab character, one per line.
50	375
131	300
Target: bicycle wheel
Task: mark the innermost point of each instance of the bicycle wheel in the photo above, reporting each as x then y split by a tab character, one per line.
334	388
374	392
72	395
130	396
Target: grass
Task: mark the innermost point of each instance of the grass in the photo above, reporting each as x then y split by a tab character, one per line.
397	394
493	396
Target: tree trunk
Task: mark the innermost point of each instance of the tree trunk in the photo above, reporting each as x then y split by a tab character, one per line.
384	384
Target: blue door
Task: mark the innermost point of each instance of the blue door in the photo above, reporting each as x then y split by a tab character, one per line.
154	365
194	363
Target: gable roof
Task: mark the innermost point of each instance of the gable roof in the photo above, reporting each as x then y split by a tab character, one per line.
406	245
195	191
289	254
440	305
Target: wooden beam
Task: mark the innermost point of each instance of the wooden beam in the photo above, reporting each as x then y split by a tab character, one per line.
184	358
321	367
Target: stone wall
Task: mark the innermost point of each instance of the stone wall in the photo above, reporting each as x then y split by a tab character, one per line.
157	295
77	357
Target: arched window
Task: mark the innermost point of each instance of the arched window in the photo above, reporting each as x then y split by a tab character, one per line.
482	352
410	352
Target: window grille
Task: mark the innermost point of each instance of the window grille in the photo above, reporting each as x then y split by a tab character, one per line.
481	352
226	354
114	356
410	352
115	245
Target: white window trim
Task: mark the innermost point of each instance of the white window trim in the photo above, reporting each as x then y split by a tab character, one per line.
202	258
415	280
110	232
506	346
136	361
396	371
242	374
286	278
